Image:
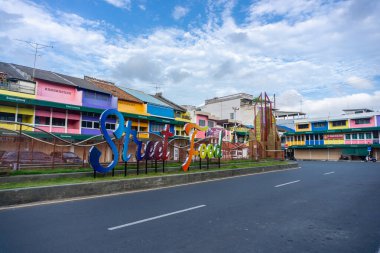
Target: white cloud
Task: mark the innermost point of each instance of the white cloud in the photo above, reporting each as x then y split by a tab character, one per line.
142	7
179	12
315	57
125	4
291	101
359	83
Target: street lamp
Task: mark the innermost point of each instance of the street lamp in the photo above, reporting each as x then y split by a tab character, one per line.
235	109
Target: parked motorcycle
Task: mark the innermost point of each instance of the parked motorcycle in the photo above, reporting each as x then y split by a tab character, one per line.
370	159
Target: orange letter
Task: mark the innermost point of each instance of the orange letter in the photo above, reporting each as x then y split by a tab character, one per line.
192	152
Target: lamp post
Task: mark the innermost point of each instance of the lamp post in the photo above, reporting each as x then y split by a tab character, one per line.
235	109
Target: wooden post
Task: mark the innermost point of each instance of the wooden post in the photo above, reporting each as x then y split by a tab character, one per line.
18	150
52	165
31	159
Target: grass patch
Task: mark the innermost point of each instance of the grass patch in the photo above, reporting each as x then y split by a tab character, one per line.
108	177
121	167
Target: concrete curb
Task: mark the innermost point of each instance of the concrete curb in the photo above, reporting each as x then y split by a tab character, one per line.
36	194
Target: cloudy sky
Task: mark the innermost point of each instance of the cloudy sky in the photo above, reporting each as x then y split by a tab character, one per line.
318	56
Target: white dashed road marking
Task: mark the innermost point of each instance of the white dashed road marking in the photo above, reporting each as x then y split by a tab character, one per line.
288	183
156	217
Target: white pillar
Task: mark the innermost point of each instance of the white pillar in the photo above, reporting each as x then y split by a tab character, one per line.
66	120
51	119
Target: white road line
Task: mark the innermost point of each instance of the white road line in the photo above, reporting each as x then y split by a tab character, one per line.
327	173
48	202
156	217
288	183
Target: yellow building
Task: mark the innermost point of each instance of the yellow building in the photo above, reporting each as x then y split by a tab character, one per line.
14	93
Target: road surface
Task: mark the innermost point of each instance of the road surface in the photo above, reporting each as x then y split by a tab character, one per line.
321	207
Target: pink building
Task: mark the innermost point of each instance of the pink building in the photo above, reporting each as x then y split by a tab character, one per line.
59	93
362	122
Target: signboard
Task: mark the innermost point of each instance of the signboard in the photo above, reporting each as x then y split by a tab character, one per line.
333	137
157	150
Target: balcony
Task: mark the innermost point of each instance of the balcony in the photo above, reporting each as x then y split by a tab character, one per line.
19	86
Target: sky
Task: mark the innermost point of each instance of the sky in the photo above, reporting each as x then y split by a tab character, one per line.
317	56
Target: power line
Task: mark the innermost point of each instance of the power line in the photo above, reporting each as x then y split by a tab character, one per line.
36	46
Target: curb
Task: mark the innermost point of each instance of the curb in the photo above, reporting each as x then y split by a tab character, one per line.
46	193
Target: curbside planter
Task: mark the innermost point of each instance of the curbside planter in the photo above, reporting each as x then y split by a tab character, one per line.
46	193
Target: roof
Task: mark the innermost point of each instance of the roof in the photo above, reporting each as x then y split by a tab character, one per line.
13	72
336	118
57	78
145	97
113	89
287	114
84	84
229	97
170	103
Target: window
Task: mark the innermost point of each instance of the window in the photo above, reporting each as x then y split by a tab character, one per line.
89	94
339	123
110	126
354	136
368	136
375	134
303	126
96	96
7	116
202	122
348	136
361	136
42	120
320	124
58	122
156	127
210	123
96	124
362	121
87	124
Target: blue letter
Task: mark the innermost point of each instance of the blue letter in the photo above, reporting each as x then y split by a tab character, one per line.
95	154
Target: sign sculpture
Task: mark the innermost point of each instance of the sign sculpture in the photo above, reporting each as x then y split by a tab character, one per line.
157	150
203	151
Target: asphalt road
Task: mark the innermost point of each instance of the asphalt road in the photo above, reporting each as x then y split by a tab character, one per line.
322	207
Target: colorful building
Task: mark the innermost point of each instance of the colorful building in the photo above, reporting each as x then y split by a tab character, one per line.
180	114
160	112
352	135
131	107
69	107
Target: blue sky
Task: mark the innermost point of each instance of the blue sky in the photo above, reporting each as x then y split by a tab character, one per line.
323	53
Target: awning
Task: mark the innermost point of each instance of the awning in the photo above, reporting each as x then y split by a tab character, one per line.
355	151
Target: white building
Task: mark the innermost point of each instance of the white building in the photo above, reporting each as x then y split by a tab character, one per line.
237	107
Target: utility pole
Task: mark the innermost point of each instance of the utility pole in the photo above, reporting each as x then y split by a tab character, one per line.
36	46
235	109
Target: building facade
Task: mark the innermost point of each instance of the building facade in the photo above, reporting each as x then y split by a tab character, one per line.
353	135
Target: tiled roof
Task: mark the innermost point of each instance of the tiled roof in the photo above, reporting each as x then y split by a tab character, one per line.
170	103
54	77
145	97
13	72
113	89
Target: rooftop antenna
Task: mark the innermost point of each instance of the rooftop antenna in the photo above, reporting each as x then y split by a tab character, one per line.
301	104
157	87
36	46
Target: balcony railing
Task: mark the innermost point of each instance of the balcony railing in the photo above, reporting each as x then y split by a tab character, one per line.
18	87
